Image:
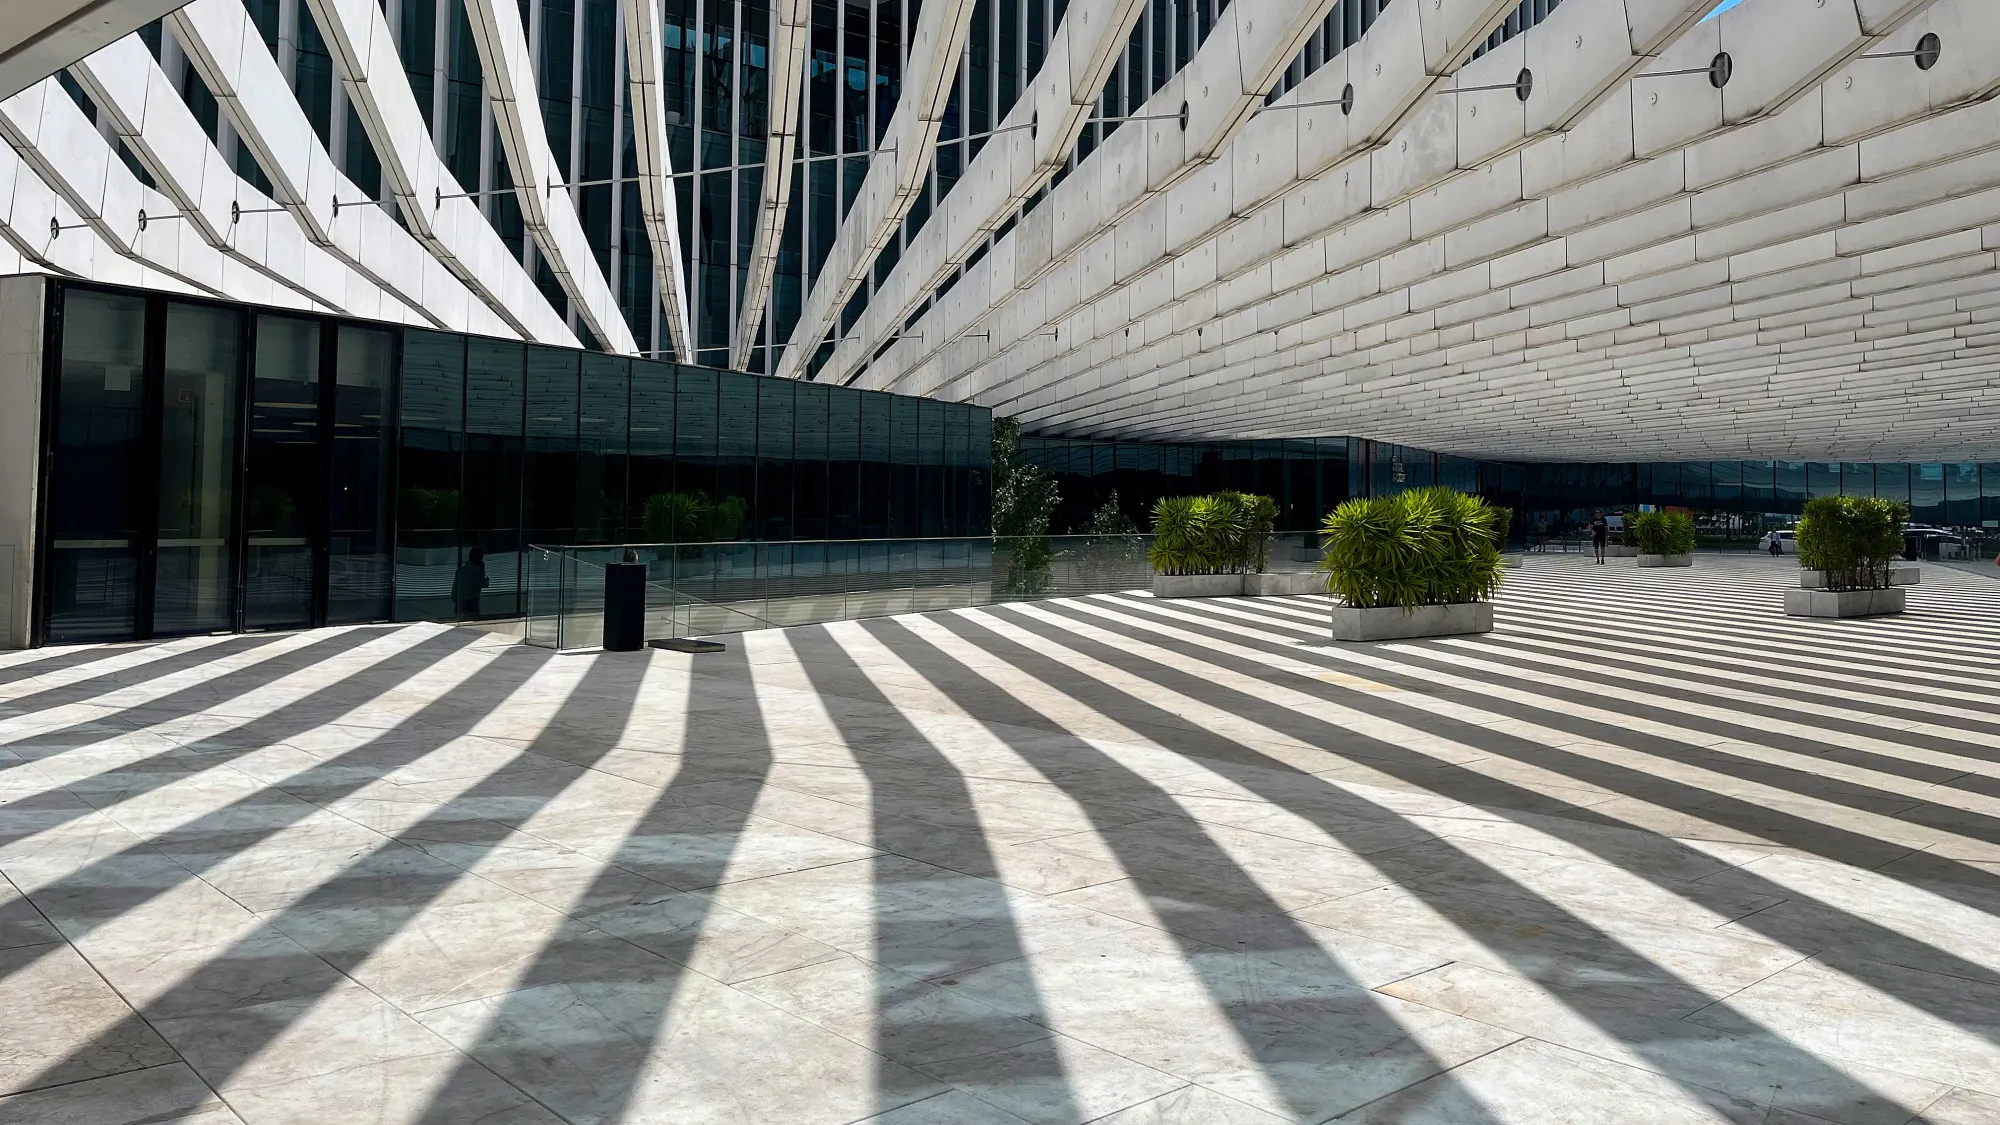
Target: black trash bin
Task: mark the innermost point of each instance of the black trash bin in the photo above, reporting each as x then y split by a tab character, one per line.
624	606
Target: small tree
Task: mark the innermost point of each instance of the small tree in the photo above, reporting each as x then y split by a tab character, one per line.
1852	540
1111	519
1023	499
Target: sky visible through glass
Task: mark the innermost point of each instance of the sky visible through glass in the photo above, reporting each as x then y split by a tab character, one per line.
1721	8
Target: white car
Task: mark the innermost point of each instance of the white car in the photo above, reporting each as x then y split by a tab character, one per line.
1779	543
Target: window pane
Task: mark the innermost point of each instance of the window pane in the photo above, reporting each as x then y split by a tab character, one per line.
1927	493
735	456
774	458
601	449
1857	479
1961	490
358	573
905	520
194	585
1790	493
874	522
694	442
1892	482
431	474
843	462
282	500
1822	479
809	462
487	582
930	467
550	459
651	470
93	491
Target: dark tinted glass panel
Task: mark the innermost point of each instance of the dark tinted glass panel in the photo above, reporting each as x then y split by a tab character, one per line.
486	583
1892	482
1758	486
550	463
1961	491
1694	488
979	448
358	548
1989	494
600	450
1857	478
957	460
875	485
1789	495
905	520
1822	479
431	474
1728	478
694	452
94	500
1927	493
735	457
194	582
774	458
809	462
843	462
930	466
281	506
651	472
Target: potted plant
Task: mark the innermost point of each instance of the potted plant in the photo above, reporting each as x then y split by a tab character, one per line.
1503	521
1847	551
1217	546
1421	563
1663	538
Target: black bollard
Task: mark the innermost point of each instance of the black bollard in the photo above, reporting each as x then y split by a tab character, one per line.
624	606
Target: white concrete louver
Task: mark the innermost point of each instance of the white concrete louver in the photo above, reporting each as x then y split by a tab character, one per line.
791	21
645	47
61	147
454	249
40	37
894	176
1723	237
156	125
546	208
1232	383
1142	194
1032	143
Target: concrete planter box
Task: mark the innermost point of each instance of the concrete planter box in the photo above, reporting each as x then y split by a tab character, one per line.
1844	603
1512	562
1284	583
1620	551
1898	576
1392	624
1197	585
1666	560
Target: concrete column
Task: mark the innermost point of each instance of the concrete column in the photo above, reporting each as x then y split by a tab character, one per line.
22	307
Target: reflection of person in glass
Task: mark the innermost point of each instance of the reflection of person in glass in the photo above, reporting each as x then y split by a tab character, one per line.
468	583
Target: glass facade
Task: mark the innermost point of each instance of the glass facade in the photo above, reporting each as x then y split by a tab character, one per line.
217	467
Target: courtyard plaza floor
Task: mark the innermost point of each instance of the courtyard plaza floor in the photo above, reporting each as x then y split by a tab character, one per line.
1649	853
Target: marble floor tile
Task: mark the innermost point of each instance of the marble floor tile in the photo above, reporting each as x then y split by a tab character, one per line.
1112	861
169	1094
65	1024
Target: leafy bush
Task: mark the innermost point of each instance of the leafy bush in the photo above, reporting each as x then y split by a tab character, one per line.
1662	533
1024	497
1853	539
1223	533
422	508
1426	546
1111	519
691	517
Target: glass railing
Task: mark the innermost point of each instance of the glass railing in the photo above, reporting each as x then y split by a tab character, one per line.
705	589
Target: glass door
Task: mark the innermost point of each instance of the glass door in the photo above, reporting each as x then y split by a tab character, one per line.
358	567
97	486
281	505
194	583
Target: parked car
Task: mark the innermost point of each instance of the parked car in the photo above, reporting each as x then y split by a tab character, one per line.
1779	542
1930	543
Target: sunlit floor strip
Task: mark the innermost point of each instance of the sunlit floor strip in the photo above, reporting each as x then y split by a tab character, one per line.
1650	852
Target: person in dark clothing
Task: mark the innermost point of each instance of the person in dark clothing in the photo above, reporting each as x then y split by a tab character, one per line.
466	585
1600	534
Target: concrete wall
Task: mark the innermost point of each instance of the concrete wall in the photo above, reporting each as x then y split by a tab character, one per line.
22	304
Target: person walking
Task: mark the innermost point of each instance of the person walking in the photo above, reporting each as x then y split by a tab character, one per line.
1600	534
468	583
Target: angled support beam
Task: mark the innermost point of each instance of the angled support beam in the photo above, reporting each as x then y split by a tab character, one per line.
40	37
645	53
1029	147
156	124
791	20
891	186
546	207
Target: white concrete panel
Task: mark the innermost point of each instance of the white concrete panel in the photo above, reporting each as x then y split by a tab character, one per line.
645	52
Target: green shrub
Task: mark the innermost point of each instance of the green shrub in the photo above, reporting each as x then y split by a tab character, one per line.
1426	546
1661	533
677	517
1224	533
1853	539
